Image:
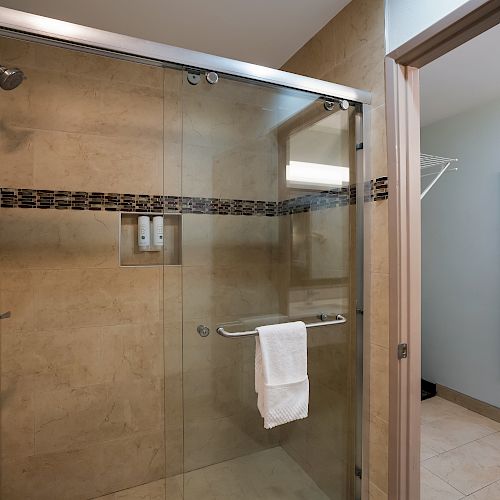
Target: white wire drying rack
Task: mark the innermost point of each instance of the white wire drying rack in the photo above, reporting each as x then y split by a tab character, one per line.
436	166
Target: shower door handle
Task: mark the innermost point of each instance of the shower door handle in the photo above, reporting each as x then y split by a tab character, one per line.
5	315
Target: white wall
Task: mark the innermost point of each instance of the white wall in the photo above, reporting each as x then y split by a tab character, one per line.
461	256
407	18
266	32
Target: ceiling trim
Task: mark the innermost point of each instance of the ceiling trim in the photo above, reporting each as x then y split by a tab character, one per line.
458	27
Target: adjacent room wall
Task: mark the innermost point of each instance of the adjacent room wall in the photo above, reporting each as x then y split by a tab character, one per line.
407	18
460	257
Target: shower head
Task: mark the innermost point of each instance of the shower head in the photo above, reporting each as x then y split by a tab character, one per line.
10	78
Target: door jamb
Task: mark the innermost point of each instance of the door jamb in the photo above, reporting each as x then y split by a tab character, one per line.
403	146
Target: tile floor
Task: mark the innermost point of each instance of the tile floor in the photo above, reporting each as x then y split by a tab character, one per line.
460	455
266	475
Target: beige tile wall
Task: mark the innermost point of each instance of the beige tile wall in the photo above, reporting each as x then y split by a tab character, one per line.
229	140
321	443
228	277
82	363
89	123
350	50
316	253
229	264
100	391
81	359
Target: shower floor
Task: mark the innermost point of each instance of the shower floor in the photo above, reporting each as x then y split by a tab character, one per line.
266	475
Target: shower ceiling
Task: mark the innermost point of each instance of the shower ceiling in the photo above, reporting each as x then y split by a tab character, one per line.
265	32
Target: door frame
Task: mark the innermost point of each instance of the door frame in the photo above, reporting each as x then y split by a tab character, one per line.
403	155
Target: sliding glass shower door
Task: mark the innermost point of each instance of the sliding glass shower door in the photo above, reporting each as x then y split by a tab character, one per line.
266	238
142	207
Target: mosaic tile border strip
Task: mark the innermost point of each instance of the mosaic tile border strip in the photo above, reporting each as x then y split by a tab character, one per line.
375	190
379	189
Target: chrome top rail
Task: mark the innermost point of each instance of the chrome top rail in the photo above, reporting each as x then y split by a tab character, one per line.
19	23
339	319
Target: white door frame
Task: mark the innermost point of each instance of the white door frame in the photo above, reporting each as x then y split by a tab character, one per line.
403	146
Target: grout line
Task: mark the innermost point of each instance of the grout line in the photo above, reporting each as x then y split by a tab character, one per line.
482	488
446	481
459	446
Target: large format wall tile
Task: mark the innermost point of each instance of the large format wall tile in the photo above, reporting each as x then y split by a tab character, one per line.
17	151
88	297
229	146
53	239
211	441
88	123
219	240
236	282
85	473
350	50
17	296
16	423
73	418
39	361
66	475
71	103
132	353
88	162
229	293
105	381
83	388
379	310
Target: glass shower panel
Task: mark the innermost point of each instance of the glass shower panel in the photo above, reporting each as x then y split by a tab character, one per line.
265	239
112	374
82	368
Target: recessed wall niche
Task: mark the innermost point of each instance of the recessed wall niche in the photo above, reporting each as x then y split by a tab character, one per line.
153	251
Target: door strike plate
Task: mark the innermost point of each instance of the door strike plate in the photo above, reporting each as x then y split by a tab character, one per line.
402	351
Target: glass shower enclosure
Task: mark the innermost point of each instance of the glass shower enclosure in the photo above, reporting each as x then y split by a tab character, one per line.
150	196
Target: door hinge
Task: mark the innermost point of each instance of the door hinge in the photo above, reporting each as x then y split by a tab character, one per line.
358	472
402	351
359	146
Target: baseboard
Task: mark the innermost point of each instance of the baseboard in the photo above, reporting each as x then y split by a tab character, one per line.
468	402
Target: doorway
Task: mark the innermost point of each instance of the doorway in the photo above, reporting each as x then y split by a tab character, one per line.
403	73
459	122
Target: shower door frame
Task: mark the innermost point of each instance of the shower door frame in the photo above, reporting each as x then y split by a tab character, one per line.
403	151
23	25
31	27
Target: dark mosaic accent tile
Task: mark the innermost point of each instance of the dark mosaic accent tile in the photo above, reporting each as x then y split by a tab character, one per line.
380	188
374	190
79	200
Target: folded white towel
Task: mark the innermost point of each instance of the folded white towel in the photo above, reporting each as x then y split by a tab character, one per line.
281	380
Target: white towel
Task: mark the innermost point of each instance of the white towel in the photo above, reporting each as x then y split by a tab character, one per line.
281	380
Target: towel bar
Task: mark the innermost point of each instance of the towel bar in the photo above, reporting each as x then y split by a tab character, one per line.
252	333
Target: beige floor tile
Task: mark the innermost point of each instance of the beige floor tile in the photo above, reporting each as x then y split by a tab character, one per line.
426	450
266	475
437	408
470	467
434	488
491	492
446	426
